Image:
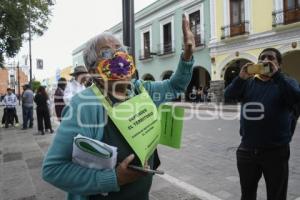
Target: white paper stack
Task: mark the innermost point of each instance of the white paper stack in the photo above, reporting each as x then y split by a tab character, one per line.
94	154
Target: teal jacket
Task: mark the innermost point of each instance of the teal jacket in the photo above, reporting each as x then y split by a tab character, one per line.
85	115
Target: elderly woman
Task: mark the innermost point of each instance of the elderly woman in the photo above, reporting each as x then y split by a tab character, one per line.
87	116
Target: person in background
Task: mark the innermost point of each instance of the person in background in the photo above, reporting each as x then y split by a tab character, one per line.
205	94
10	102
265	126
59	97
77	84
200	94
194	94
15	112
42	110
27	106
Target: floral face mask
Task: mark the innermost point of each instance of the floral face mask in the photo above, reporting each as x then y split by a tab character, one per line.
119	67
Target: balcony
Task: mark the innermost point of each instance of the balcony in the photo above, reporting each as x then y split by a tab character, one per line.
283	17
233	30
165	49
198	41
145	54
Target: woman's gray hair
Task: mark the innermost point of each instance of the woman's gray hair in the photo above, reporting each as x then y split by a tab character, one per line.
90	55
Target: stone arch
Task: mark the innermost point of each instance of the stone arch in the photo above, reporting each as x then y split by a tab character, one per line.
148	77
166	74
288	48
291	60
232	69
200	80
224	64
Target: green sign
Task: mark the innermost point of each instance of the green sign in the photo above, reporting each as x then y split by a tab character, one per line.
142	125
171	125
137	120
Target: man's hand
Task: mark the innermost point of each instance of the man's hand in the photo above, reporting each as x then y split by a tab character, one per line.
126	175
188	39
243	73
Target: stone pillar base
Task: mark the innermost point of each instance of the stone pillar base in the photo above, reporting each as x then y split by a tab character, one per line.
216	91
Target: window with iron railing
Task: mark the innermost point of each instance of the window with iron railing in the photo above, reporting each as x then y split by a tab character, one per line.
167	34
165	48
290	13
238	24
146	52
196	27
241	28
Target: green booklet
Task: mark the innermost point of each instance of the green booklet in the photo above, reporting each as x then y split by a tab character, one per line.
171	118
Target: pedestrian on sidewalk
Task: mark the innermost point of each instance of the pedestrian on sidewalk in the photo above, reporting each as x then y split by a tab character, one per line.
200	94
77	84
27	106
3	116
59	97
10	102
16	118
42	110
112	68
265	129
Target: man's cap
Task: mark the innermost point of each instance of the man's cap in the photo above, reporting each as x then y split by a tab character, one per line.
79	70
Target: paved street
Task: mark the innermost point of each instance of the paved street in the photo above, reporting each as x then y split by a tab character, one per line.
204	168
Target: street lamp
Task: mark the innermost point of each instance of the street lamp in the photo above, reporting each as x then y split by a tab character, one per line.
50	3
128	25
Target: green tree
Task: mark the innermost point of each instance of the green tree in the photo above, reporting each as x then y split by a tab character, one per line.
14	23
35	85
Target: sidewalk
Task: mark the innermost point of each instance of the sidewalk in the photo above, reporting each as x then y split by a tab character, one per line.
21	157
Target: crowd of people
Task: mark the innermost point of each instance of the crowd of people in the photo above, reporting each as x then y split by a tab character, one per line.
40	97
199	94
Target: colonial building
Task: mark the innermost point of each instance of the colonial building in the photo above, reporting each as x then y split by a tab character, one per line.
228	34
11	77
159	40
241	29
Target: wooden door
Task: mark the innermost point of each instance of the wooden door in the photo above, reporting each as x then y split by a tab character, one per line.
291	11
237	17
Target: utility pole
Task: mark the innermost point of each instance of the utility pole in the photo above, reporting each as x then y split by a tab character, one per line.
30	58
129	25
19	84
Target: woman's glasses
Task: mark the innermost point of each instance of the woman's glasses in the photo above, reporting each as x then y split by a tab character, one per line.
109	53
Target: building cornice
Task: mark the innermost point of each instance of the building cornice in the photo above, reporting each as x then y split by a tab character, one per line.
255	41
147	11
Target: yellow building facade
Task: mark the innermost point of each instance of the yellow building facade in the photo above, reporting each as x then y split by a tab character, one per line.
241	29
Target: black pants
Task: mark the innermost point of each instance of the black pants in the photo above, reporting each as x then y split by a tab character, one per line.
4	116
43	116
271	163
15	116
9	116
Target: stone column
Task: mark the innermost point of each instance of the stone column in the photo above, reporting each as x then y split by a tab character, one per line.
216	91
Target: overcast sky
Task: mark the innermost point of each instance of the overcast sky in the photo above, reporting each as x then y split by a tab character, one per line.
73	22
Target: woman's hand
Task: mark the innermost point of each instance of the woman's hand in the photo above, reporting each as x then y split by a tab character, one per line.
188	39
126	175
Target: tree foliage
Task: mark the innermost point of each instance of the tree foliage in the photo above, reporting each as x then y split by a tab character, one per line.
14	23
35	85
